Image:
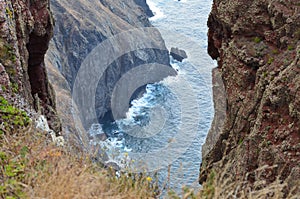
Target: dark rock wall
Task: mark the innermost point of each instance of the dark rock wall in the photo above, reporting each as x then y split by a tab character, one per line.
257	47
219	98
82	25
145	6
26	28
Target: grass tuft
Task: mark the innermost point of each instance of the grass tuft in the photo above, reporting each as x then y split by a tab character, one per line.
33	167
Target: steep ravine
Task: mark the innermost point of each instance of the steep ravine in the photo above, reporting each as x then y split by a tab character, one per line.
256	44
256	154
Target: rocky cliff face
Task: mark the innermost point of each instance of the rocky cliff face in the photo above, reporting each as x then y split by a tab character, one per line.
145	7
220	112
82	25
257	47
26	28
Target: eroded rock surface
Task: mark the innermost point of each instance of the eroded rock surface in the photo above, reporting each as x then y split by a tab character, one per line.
145	6
25	30
82	25
257	47
219	97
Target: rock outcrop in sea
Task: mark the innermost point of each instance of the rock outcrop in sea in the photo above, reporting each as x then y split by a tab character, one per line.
178	54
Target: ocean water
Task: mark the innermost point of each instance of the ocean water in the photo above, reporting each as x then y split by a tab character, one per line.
165	128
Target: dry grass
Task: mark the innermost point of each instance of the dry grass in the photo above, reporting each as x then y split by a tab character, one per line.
218	186
32	167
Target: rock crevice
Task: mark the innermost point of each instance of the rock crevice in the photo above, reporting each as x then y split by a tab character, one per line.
26	29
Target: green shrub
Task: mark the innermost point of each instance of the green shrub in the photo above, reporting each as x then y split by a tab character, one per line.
257	40
275	51
290	47
11	117
7	51
3	88
241	141
15	87
270	60
209	187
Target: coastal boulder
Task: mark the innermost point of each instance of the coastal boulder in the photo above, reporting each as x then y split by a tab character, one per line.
178	54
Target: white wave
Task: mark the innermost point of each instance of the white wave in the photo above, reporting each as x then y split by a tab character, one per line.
139	108
113	146
127	149
95	129
158	14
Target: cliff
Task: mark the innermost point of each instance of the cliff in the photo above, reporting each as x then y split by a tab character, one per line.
32	166
26	28
220	112
82	25
143	4
257	152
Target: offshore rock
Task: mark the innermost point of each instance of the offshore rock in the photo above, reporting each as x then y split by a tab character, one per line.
257	47
178	54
